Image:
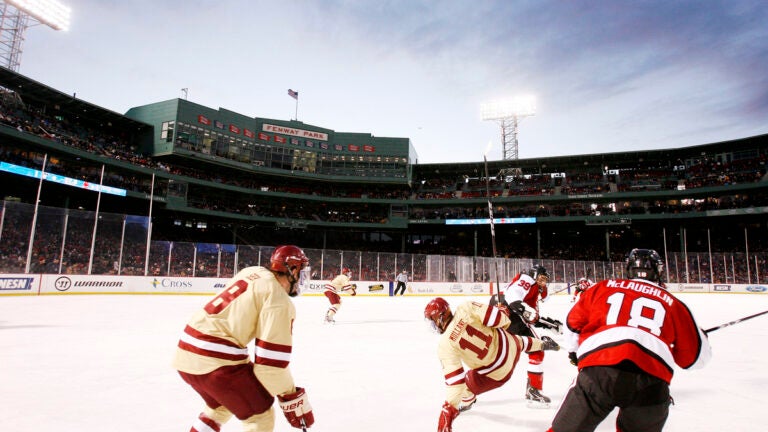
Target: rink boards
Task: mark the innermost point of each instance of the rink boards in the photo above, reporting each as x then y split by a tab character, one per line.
47	284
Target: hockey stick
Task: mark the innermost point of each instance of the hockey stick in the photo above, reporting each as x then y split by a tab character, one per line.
567	285
575	284
550	324
499	295
735	322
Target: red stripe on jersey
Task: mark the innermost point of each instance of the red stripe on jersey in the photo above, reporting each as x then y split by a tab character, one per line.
522	346
203	352
271	362
226	350
272	354
492	316
519	348
273	346
209	422
451	378
501	354
208	338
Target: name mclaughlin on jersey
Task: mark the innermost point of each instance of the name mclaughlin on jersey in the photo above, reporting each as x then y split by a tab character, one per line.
643	288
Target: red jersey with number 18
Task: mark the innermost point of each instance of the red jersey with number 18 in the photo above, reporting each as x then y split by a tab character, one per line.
639	321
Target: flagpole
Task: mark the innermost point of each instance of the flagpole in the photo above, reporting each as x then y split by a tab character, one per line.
295	96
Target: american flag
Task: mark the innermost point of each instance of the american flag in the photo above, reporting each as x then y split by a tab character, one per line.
293	94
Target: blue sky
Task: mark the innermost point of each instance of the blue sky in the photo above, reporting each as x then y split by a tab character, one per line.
608	76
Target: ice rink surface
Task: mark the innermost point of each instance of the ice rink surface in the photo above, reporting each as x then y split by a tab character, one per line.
95	363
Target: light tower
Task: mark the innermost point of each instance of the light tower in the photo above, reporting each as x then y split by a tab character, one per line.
508	113
16	18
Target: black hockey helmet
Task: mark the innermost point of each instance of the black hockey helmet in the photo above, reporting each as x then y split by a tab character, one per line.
538	270
645	264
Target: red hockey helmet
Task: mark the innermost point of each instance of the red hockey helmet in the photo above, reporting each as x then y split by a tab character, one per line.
584	284
286	258
438	313
346	271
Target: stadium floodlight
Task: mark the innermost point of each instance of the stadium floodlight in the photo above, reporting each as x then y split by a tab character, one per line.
16	15
508	113
49	12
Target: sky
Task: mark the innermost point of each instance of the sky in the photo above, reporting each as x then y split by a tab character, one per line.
608	76
94	363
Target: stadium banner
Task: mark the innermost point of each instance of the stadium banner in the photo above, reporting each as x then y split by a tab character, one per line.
719	288
106	284
19	284
448	288
46	284
365	288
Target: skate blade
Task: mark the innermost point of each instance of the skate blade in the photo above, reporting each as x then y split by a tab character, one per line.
537	405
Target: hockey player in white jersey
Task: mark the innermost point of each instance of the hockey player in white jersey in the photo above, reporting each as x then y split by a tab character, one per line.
476	353
212	355
522	296
334	288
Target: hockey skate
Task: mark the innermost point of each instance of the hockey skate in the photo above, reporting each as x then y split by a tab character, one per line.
328	319
535	399
466	403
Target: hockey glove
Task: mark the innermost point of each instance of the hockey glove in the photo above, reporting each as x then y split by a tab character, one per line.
517	307
445	424
550	323
296	408
549	344
572	357
528	313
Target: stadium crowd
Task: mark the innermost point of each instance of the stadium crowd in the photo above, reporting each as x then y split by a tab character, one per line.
438	198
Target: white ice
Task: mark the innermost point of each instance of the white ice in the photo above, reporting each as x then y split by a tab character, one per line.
95	363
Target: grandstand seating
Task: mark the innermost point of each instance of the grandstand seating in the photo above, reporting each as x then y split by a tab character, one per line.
686	201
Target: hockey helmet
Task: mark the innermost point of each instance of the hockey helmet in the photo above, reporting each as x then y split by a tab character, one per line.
286	258
645	264
346	271
584	283
438	313
538	270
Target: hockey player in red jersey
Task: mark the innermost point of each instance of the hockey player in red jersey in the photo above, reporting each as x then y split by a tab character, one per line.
212	355
338	285
629	333
474	338
522	295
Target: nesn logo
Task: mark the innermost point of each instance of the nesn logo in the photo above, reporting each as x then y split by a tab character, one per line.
15	283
